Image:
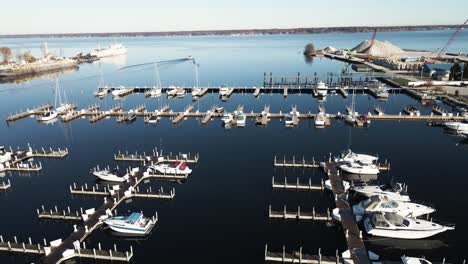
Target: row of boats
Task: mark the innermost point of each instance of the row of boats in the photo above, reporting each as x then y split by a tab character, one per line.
387	210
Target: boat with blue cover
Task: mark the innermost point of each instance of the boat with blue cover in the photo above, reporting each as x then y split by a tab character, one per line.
135	223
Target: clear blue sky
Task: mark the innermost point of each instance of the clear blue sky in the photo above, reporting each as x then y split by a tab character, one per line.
66	16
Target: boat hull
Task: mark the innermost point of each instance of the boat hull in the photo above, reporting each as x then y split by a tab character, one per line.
402	234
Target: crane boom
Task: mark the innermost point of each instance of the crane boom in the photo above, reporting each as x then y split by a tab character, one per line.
452	39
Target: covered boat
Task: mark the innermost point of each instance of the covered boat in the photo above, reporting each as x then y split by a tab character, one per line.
178	168
135	223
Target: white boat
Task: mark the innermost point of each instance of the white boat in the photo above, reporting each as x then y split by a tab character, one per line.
394	192
458	126
172	91
350	156
227	118
395	226
196	92
154	92
4	155
107	175
413	260
240	120
135	223
154	119
288	120
120	91
328	185
321	89
320	119
223	90
359	168
112	50
382	204
102	92
180	92
177	168
48	115
412	111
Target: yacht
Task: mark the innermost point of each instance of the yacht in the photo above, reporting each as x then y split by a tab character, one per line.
179	168
196	92
172	91
227	118
382	204
350	156
102	92
240	120
458	126
131	116
411	110
394	192
288	120
47	115
180	92
320	119
4	155
321	89
112	50
154	119
223	90
135	223
108	175
359	168
154	92
395	226
120	91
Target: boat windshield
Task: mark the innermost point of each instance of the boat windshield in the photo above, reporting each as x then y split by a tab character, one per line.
396	220
389	204
240	117
134	217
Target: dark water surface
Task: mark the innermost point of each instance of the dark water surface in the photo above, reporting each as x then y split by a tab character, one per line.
220	215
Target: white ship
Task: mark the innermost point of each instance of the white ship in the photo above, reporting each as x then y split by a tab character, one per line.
135	223
113	50
395	226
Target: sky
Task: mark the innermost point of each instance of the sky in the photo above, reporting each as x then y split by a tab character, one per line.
67	16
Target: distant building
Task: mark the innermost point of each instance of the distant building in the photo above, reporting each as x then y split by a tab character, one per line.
438	71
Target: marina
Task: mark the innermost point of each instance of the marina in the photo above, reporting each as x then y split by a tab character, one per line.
258	181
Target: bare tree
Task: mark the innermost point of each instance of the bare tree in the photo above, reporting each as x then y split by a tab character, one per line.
6	53
309	49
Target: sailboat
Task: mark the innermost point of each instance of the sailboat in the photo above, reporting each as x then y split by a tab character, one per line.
350	117
60	106
156	91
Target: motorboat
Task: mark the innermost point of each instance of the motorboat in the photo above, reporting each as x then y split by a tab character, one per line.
180	92
172	91
321	89
395	226
113	50
154	92
120	91
328	185
108	175
219	109
223	90
394	192
411	110
135	223
240	120
359	168
364	119
4	155
350	118
349	156
48	115
320	119
413	260
131	116
288	120
227	118
196	92
382	204
178	168
101	92
154	119
457	126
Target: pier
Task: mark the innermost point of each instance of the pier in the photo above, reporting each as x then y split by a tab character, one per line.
299	215
182	115
5	185
299	257
297	185
23	114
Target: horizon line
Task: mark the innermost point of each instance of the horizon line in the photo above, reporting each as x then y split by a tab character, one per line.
233	31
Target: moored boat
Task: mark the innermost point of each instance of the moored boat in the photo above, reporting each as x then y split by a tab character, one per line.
48	115
108	175
177	168
135	223
392	191
359	168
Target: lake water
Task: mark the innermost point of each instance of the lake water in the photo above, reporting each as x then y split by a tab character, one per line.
220	215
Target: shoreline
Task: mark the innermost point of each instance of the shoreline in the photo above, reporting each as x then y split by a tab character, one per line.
241	32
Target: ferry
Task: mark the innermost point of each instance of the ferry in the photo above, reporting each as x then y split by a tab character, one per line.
113	50
135	223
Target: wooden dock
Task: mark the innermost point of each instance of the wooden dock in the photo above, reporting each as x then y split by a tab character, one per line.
299	215
77	114
5	185
96	116
28	112
59	215
294	163
154	157
182	115
208	115
297	185
299	257
25	248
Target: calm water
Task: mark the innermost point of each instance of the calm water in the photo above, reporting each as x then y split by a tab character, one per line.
221	213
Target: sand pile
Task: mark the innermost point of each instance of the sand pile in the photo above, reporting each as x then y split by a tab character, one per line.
330	49
379	49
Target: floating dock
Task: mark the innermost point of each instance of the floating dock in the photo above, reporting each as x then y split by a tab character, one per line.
299	215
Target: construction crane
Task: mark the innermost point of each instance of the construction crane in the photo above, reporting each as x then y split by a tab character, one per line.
372	41
451	40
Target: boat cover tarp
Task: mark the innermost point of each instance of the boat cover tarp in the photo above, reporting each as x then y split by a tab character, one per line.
134	217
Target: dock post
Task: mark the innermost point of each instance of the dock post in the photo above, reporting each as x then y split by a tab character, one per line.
269	213
284	253
284	211
299	212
